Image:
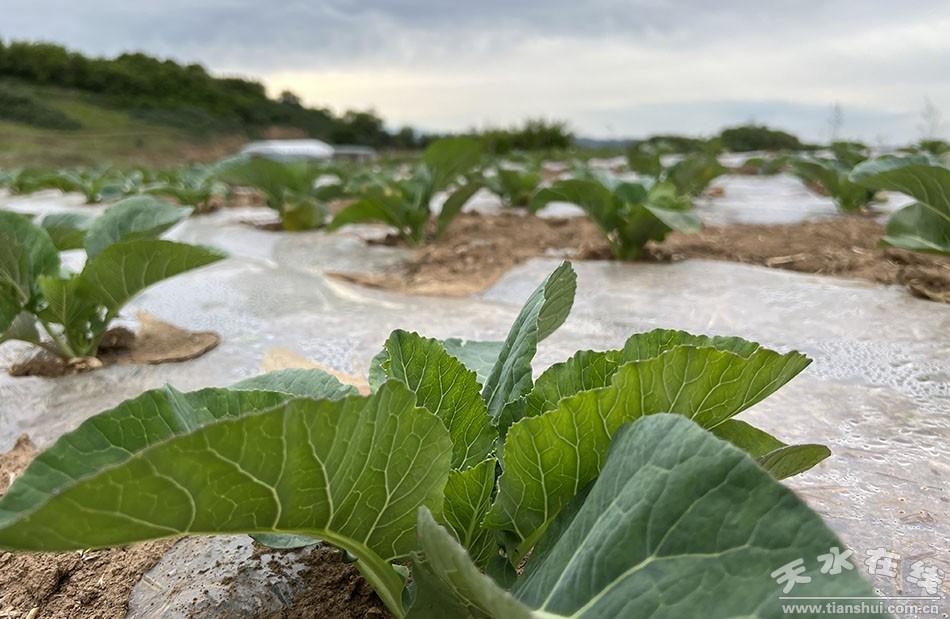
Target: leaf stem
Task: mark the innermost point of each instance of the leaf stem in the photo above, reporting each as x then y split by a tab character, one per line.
63	348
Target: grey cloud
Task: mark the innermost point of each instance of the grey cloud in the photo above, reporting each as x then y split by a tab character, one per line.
490	49
298	34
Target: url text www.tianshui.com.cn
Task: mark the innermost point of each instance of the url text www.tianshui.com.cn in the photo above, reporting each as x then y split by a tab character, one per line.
899	607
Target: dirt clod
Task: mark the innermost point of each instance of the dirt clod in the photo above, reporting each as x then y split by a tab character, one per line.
156	342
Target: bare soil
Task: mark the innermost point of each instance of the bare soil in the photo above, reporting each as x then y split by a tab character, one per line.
90	584
847	246
333	588
156	342
477	249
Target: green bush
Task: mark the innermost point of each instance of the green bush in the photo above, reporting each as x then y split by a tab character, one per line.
757	137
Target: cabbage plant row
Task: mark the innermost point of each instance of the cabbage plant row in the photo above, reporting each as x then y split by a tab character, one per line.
402	195
619	483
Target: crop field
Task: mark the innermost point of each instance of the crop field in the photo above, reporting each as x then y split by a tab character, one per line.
260	358
393	359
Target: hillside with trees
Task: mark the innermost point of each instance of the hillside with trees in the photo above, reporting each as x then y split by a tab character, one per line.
164	92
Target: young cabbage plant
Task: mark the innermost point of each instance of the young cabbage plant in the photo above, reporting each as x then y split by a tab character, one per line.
515	186
289	188
644	159
629	213
692	174
123	257
96	184
614	479
832	176
405	204
925	224
765	166
194	186
935	147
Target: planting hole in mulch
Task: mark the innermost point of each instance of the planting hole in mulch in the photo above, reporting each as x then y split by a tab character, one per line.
477	249
156	342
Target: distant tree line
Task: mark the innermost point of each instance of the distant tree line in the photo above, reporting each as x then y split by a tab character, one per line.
741	139
532	135
186	95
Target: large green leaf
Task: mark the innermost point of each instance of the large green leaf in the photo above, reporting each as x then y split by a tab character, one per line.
42	254
544	311
671	208
22	327
679	524
468	496
352	472
692	174
918	227
305	382
550	457
477	355
454	204
376	206
593	197
450	158
78	313
832	176
592	370
26	252
449	584
125	268
779	459
140	217
67	230
925	225
444	387
16	280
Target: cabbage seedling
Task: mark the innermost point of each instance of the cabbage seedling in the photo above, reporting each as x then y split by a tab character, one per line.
195	187
925	224
692	174
405	204
123	257
514	186
620	479
289	188
832	176
629	214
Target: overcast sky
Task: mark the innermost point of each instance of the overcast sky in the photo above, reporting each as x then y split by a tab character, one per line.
611	68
